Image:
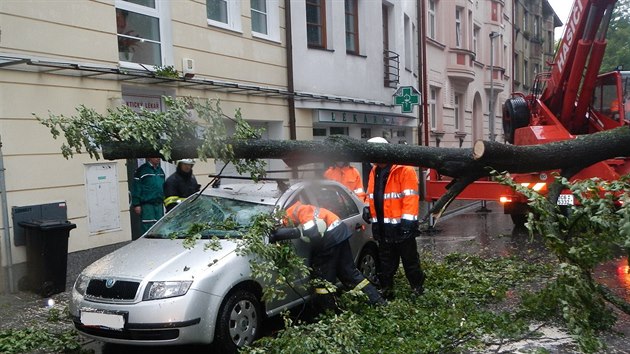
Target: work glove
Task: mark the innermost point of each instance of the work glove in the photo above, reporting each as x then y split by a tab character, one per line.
408	229
284	233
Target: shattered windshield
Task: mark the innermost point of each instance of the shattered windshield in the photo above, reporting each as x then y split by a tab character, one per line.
210	216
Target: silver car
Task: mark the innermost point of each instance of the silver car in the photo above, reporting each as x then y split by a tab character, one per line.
155	291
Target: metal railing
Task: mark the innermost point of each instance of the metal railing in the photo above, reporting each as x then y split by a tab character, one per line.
391	61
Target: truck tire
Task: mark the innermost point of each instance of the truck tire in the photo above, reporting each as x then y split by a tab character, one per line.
515	115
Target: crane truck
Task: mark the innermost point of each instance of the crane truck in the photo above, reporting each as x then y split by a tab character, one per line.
570	100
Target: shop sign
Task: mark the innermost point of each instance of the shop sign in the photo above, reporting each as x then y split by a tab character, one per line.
325	116
136	102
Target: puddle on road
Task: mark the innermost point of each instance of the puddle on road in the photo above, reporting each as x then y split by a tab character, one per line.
493	235
615	276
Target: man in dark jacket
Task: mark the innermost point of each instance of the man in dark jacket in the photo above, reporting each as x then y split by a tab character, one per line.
180	185
147	193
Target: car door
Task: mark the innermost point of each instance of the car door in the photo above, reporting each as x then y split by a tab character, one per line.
297	291
338	200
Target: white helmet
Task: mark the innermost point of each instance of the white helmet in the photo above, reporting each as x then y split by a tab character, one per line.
378	139
186	161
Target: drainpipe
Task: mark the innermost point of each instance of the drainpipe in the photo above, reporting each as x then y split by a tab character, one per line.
5	222
290	87
422	38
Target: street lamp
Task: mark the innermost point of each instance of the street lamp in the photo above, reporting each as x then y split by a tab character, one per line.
493	35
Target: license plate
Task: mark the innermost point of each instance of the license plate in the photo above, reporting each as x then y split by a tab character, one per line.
565	199
98	319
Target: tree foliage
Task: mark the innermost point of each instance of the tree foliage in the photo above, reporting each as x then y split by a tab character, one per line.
582	236
618	48
186	119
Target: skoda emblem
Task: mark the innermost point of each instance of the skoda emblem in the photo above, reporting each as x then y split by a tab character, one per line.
109	283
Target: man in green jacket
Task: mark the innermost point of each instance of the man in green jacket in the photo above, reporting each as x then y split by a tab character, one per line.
147	194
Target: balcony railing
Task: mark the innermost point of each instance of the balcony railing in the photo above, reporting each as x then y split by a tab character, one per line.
391	62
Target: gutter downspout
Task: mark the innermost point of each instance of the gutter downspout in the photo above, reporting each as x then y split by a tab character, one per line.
290	86
5	222
423	70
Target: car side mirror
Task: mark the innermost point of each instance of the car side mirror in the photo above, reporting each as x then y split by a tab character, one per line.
366	214
284	233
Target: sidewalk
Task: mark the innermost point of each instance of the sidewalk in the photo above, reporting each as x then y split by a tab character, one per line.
23	308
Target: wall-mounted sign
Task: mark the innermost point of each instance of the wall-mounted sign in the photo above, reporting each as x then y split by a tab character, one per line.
326	116
406	97
136	102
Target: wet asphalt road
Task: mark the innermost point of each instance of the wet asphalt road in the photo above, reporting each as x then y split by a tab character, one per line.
471	230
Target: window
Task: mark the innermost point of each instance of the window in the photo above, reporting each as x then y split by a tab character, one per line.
265	19
259	16
339	131
352	26
366	133
458	112
433	107
225	14
431	19
537	27
525	15
525	72
319	131
337	201
316	23
139	31
516	67
458	27
475	39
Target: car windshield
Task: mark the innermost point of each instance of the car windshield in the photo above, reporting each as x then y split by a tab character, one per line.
209	216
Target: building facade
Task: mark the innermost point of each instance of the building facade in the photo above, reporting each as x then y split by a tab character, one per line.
299	69
102	54
533	37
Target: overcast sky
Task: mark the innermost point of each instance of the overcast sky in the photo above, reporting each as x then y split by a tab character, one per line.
562	9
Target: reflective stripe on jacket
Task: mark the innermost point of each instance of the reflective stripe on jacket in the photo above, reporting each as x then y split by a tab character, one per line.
349	177
307	216
401	199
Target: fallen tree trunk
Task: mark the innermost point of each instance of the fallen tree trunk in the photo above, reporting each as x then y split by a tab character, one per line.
464	165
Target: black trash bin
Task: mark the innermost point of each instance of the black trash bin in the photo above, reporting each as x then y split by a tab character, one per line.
46	255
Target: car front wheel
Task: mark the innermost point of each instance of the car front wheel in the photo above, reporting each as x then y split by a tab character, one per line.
368	261
239	321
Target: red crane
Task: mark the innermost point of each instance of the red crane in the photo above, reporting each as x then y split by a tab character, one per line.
570	100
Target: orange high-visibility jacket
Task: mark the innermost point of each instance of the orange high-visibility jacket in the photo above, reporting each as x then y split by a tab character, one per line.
306	215
401	199
349	177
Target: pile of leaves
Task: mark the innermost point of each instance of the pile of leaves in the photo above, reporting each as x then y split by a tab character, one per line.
457	313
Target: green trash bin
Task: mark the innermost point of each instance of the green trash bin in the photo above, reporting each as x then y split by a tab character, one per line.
47	255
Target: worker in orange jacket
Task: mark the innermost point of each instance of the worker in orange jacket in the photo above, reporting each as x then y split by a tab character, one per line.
347	175
330	250
393	198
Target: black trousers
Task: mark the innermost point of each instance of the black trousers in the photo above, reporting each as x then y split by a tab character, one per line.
337	262
390	255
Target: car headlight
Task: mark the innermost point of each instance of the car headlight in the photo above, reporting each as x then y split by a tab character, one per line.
164	289
81	284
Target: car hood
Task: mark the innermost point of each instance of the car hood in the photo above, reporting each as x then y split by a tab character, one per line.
159	259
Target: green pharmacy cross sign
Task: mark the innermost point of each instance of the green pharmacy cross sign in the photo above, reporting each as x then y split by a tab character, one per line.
406	97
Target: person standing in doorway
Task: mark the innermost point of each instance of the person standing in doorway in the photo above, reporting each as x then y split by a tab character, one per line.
180	185
147	192
393	198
